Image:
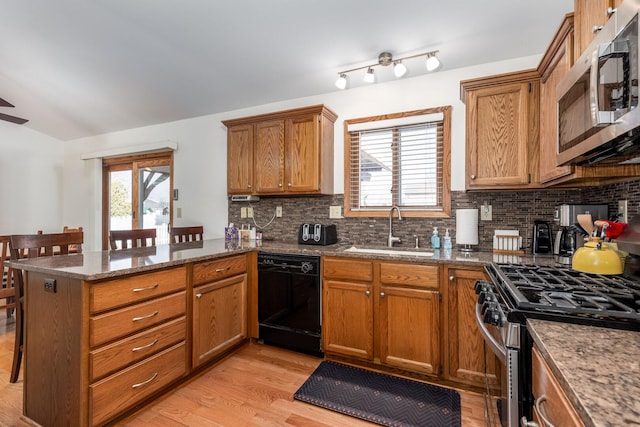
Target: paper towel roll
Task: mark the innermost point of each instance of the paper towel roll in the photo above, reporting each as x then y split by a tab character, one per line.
467	226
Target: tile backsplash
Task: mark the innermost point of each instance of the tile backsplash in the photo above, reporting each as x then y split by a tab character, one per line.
511	210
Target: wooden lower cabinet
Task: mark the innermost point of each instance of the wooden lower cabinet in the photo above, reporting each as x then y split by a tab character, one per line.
347	327
382	312
219	317
467	361
552	407
410	316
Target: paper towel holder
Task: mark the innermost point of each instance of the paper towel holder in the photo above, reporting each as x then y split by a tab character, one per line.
466	228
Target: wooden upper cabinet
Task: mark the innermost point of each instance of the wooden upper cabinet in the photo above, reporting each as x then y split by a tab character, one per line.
590	15
240	149
269	157
303	153
554	65
502	131
292	152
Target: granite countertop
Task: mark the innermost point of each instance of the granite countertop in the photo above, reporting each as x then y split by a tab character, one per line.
97	265
598	369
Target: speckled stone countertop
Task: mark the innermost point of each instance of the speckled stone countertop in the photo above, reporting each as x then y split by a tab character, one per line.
99	265
598	369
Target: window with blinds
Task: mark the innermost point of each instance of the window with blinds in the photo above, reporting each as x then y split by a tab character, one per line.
400	159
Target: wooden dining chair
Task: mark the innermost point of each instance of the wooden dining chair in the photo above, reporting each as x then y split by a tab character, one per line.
7	293
33	246
186	234
124	239
65	229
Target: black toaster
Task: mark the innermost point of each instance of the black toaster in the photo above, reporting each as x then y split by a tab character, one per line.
317	234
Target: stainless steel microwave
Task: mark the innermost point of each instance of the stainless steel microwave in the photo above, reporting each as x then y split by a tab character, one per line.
598	118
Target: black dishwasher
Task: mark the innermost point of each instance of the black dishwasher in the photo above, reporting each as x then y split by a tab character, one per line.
289	301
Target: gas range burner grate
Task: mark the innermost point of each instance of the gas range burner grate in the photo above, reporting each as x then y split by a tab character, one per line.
563	290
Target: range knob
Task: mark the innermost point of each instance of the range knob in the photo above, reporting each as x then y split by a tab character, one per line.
480	286
492	315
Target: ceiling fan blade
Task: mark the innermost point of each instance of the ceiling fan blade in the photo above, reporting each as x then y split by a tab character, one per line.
4	103
13	119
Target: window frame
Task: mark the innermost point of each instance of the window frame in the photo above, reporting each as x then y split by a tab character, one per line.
445	211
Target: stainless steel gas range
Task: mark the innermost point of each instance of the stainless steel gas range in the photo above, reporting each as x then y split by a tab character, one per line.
517	292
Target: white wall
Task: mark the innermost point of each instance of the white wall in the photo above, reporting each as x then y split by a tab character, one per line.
200	160
31	176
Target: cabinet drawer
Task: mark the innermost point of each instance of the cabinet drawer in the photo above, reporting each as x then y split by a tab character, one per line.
115	293
553	403
110	358
347	269
421	276
119	323
121	391
205	272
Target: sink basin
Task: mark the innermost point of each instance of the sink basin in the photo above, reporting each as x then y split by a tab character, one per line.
405	252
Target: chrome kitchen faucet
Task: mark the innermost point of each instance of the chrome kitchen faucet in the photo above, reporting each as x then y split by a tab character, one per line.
392	239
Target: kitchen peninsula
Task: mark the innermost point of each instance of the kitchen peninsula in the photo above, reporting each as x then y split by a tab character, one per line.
121	327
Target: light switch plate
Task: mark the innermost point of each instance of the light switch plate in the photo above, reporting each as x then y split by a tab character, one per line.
486	213
278	211
622	210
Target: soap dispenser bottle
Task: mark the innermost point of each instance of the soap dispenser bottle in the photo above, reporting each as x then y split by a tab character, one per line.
435	239
446	243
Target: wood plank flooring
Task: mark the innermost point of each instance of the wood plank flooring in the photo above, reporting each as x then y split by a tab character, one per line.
253	387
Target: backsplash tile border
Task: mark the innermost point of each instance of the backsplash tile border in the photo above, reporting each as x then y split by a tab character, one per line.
511	210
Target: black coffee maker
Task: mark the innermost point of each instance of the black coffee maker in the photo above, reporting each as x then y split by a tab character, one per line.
542	240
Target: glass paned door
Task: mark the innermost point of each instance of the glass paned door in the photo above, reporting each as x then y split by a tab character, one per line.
138	195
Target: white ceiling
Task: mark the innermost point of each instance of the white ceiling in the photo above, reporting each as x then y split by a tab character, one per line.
78	68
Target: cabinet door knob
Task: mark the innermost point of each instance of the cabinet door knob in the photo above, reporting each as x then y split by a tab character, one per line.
289	184
381	294
367	293
473	177
452	278
611	11
198	296
279	184
596	28
248	185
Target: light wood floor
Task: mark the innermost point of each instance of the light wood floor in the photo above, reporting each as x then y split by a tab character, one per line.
253	387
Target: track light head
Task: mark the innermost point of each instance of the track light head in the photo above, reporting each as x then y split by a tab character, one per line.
341	83
399	69
433	63
370	77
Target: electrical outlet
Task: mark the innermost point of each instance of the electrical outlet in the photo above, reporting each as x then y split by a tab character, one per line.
622	211
50	285
486	213
335	212
278	211
243	212
249	212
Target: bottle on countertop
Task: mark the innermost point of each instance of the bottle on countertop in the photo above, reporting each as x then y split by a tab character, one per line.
435	239
446	241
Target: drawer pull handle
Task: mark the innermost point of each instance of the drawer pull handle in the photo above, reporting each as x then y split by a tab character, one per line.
545	421
142	347
145	289
153	377
155	313
220	270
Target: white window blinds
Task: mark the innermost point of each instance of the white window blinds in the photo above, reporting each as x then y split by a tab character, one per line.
396	162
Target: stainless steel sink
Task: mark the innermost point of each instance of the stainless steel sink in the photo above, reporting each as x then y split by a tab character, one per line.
404	252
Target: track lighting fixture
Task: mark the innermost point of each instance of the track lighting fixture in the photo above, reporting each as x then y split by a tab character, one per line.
385	59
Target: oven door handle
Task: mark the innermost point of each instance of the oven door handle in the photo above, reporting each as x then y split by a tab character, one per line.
498	350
